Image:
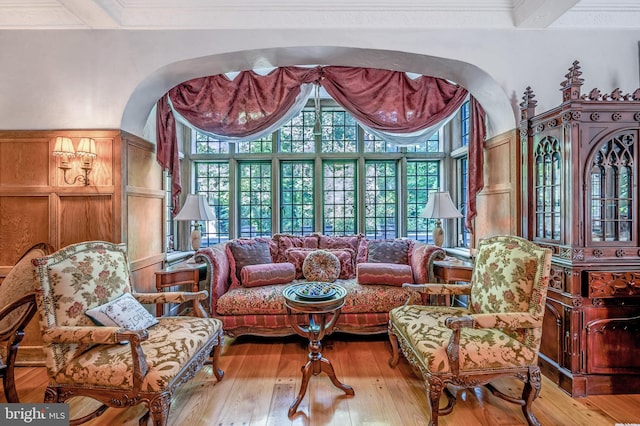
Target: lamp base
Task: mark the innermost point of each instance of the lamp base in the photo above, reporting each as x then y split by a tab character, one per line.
196	239
438	234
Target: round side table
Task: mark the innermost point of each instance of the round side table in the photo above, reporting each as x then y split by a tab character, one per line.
322	312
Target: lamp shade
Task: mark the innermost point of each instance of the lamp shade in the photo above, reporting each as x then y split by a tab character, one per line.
440	206
64	146
87	146
195	208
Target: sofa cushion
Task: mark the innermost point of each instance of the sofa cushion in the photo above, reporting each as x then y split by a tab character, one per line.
268	300
390	251
296	256
246	252
267	274
321	265
384	273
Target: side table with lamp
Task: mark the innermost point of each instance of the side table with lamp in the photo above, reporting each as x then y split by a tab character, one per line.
195	209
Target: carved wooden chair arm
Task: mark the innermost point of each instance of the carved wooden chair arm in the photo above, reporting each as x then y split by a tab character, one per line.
453	348
176	297
20	321
440	289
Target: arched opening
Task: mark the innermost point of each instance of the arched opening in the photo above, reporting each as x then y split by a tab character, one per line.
501	116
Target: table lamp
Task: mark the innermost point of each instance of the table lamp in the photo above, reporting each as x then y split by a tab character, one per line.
195	208
439	206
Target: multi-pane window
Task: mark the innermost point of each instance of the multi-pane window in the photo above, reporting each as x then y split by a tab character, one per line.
381	199
254	202
339	131
339	197
296	197
297	136
212	180
423	178
463	173
168	208
465	123
332	177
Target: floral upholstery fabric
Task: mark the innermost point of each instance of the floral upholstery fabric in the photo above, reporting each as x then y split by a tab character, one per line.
246	252
384	273
511	276
73	280
480	349
268	274
171	344
390	251
268	300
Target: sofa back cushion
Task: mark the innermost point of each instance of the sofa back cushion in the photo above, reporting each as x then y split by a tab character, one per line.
283	242
384	273
267	274
246	252
397	250
322	265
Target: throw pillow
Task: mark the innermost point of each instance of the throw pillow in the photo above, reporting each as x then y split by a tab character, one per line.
384	273
267	274
246	252
297	256
125	312
321	265
390	251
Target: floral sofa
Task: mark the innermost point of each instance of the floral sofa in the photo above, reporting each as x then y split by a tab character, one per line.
246	278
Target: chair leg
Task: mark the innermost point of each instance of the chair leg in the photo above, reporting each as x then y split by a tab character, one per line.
434	388
395	354
159	409
8	378
215	361
530	392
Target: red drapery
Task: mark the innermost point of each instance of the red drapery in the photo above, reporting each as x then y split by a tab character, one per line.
384	100
475	160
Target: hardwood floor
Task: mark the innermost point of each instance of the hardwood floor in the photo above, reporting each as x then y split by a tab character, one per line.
262	378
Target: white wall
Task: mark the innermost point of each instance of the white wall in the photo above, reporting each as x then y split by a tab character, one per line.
76	79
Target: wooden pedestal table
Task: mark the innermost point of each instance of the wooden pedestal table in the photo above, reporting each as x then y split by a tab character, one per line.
322	312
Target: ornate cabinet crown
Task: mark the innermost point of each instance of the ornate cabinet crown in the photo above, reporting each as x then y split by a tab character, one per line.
580	198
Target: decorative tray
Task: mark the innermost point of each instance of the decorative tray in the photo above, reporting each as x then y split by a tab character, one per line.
316	291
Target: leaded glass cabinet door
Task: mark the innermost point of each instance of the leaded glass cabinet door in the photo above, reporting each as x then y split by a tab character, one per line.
547	189
612	190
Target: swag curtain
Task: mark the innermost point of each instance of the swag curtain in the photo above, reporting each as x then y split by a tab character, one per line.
388	103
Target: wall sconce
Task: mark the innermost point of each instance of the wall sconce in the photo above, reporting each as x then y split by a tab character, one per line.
86	152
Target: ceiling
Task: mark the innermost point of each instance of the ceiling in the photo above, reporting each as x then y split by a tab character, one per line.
238	14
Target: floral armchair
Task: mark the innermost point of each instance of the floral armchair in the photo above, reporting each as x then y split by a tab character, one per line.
499	334
132	357
17	308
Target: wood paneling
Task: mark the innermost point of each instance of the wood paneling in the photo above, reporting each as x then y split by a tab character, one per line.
144	227
24	162
85	218
498	200
24	221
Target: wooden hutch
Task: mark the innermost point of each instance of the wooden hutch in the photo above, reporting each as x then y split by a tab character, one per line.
580	198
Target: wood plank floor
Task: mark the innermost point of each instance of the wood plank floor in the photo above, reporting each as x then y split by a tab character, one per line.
262	378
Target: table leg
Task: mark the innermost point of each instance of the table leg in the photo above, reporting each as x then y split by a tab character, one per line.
317	363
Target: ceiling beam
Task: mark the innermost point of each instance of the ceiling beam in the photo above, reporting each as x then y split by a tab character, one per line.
539	13
91	13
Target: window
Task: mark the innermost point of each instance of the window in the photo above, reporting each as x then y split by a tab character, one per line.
327	175
462	175
168	208
547	161
465	120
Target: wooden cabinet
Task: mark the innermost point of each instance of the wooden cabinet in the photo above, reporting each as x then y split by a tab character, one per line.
580	199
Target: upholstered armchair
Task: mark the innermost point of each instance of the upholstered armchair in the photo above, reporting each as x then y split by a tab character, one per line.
498	334
17	308
100	342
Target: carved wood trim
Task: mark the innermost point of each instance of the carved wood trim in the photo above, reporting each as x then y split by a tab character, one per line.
606	284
